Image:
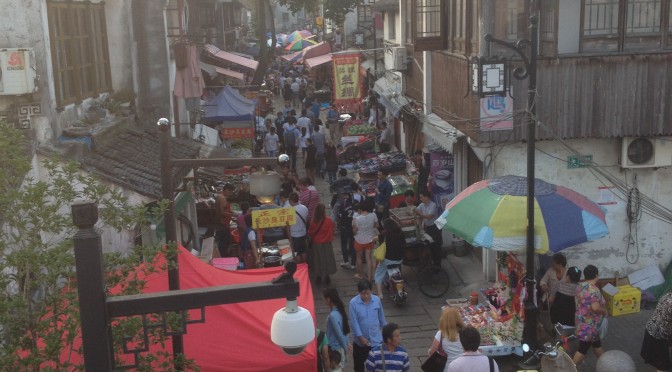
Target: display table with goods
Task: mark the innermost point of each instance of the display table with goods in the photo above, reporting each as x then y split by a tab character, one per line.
358	127
498	311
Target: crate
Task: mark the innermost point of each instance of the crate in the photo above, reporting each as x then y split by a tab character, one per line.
226	263
626	299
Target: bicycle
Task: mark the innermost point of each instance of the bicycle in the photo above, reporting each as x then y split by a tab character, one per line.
433	281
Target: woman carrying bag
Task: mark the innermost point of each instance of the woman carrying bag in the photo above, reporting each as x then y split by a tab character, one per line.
321	233
446	342
394	252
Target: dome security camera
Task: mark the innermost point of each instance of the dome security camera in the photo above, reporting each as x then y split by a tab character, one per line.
292	328
283	158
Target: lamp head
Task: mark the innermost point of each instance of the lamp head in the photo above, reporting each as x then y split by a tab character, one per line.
164	124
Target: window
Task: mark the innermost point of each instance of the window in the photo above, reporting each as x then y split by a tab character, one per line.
643	17
364	14
460	21
79	50
429	31
625	25
600	17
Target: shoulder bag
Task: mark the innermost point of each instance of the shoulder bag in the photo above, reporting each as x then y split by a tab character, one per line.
379	252
437	361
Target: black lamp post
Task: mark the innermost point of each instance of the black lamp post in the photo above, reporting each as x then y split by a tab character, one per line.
520	73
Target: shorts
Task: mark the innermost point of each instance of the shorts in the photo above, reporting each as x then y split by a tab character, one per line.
585	345
363	247
299	245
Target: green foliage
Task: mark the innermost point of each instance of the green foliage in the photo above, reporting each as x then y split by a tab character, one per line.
336	10
296	6
39	312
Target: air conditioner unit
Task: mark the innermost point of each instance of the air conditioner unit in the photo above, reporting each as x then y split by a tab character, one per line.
17	71
399	58
641	152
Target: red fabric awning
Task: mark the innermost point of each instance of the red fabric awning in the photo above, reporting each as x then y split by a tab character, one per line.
234	337
234	74
230	57
317	61
316	50
291	56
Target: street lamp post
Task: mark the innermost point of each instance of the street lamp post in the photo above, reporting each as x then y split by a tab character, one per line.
529	71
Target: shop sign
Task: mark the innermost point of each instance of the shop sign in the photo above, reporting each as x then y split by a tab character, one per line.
237	133
442	185
496	113
574	161
278	217
347	84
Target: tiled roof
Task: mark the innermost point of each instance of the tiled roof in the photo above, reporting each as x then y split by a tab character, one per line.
132	159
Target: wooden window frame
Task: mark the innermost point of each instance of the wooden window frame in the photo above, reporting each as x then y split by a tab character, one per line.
622	41
79	50
364	14
461	35
428	43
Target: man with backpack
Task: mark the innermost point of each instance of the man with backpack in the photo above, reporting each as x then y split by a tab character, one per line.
345	213
291	140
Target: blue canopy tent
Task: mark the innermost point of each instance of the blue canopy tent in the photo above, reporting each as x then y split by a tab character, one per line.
229	105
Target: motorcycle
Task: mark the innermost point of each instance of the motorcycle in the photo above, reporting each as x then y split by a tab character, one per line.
396	284
553	356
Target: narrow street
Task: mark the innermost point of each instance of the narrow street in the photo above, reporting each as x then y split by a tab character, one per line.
419	317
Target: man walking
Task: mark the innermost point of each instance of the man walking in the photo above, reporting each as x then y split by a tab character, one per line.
366	320
390	355
428	211
319	141
298	231
472	359
224	214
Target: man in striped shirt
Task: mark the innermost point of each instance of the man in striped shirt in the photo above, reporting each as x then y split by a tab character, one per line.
388	356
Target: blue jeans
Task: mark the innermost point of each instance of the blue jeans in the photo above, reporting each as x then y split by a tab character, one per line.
332	176
348	246
271	153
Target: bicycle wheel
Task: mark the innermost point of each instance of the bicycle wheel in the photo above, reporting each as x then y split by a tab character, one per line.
434	281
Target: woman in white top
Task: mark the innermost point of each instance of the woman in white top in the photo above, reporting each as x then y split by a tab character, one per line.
448	338
271	143
365	228
302	141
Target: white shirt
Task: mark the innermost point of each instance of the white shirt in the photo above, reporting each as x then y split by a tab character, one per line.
295	87
453	349
304	122
472	361
366	229
271	142
302	140
299	228
430	209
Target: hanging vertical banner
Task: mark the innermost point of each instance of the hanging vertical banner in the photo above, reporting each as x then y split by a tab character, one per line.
497	112
442	184
347	84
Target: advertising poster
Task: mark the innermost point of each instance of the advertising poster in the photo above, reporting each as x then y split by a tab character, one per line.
496	113
279	217
347	84
442	184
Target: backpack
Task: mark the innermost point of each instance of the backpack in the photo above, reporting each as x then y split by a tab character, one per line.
290	137
345	213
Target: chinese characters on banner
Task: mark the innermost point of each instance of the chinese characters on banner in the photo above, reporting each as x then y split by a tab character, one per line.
442	185
237	133
347	84
279	217
497	113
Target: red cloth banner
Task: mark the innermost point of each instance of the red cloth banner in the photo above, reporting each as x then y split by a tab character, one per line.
237	133
347	82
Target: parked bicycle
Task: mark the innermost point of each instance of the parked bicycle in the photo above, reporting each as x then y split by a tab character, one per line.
433	280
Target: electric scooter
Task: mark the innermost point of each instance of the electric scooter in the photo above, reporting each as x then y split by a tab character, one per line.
553	356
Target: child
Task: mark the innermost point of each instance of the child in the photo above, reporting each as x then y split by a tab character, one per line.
302	141
335	361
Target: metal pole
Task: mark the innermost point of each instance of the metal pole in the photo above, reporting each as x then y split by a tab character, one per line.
375	52
531	310
168	193
96	332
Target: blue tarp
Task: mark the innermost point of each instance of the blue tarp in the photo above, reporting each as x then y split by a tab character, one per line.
229	105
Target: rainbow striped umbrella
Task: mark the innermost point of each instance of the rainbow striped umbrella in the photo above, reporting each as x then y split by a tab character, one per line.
298	45
493	214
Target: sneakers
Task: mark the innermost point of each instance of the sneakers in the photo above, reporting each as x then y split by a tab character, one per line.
346	265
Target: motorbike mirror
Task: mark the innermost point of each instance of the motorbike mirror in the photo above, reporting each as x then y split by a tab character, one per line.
526	348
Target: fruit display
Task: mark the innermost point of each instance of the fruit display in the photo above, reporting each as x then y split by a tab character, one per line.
494	329
359	130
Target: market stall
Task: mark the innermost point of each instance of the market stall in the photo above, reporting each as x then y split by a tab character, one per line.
498	311
401	177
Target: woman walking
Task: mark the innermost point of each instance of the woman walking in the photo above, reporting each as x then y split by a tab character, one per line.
330	161
303	141
365	227
321	253
394	252
563	309
658	335
448	338
590	311
556	274
310	159
337	324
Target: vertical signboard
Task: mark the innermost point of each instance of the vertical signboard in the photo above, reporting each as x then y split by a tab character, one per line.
347	84
442	170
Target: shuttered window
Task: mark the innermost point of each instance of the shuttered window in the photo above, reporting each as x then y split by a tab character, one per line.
79	50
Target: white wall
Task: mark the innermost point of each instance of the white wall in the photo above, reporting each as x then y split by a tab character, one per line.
609	253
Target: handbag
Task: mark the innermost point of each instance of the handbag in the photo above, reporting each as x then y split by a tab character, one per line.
379	252
437	361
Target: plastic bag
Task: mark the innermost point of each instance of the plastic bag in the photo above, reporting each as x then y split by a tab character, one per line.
379	252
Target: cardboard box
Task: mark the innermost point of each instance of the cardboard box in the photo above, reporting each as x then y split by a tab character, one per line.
621	300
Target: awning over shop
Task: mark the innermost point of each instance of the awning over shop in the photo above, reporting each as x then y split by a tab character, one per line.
292	57
208	68
316	50
230	57
317	61
389	90
440	131
234	74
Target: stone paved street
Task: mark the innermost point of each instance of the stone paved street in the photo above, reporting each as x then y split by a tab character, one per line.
418	318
